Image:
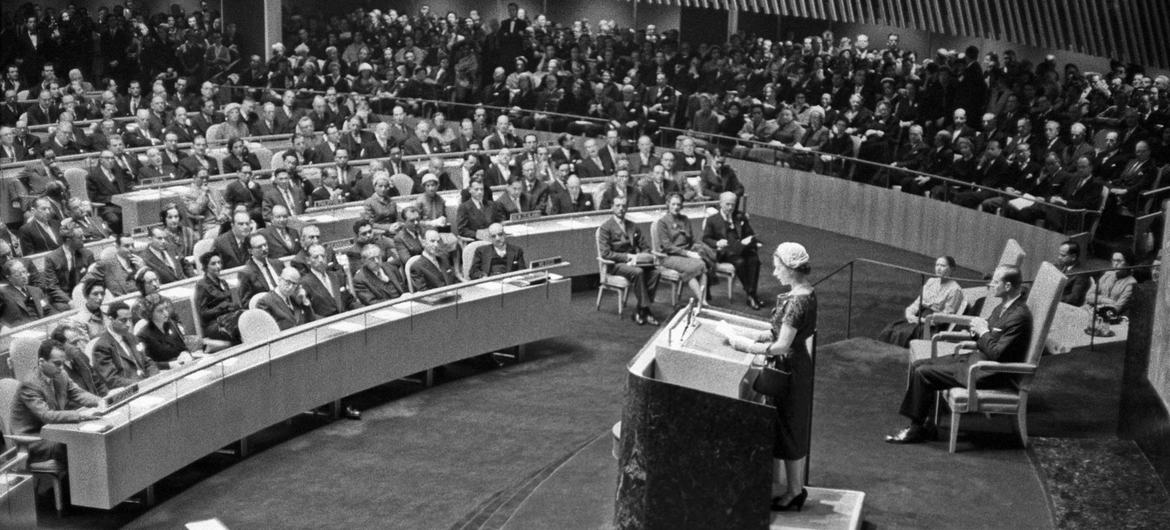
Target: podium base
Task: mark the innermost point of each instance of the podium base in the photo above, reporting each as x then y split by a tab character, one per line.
825	509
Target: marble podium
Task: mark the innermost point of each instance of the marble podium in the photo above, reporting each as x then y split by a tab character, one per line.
692	453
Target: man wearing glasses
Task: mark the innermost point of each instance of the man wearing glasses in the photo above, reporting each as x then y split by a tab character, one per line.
74	336
500	257
117	355
49	396
102	183
287	304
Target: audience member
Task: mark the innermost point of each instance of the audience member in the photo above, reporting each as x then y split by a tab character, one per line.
939	294
49	396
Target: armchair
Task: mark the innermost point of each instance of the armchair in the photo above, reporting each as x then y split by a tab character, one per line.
608	282
1042	302
50	470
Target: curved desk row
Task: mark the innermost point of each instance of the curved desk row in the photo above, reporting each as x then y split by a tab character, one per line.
197	410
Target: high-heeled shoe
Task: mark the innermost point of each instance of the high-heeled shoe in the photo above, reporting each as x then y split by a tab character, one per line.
797	502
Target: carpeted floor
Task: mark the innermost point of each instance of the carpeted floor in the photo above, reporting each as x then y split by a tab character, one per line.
465	453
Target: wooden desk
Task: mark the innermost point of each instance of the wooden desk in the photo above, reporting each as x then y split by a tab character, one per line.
197	410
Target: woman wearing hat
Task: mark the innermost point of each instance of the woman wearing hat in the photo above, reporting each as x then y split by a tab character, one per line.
793	321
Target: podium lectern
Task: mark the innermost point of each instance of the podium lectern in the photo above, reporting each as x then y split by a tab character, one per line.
692	453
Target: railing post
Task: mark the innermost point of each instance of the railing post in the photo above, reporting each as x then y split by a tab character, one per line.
849	310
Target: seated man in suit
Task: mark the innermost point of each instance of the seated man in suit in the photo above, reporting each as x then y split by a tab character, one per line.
621	241
282	240
233	244
283	193
159	257
246	192
571	200
327	289
40	232
92	228
199	159
260	272
1003	337
102	183
20	302
513	200
65	266
377	281
621	186
497	258
475	214
656	188
734	241
434	270
1068	260
287	304
117	271
77	366
49	396
116	355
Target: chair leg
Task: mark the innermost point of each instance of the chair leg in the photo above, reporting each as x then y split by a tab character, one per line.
58	496
600	291
1022	423
955	416
730	285
623	296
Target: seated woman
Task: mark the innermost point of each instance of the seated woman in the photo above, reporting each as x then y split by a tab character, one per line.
939	295
1115	288
215	302
182	238
690	258
162	337
90	312
379	209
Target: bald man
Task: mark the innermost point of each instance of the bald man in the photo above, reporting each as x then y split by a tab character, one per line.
287	304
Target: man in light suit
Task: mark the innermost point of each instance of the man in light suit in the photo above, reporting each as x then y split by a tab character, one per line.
116	354
497	258
734	241
21	303
117	271
433	270
287	303
1003	337
261	274
377	281
621	241
49	396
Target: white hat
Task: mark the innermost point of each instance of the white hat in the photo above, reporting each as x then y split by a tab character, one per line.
430	177
792	255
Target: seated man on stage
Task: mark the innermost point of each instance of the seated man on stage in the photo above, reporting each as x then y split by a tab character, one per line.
500	257
1003	337
734	241
49	396
621	241
377	281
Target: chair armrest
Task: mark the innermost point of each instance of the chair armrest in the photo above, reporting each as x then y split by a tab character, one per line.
22	439
950	336
991	367
949	318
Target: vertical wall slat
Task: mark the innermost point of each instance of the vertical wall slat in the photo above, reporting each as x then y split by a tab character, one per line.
1025	31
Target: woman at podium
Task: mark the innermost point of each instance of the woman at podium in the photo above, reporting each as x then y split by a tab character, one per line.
794	319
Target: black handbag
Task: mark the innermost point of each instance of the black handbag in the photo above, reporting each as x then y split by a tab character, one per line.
772	381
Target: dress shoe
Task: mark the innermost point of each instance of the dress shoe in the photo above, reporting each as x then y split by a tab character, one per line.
797	502
638	318
351	413
649	318
910	435
753	303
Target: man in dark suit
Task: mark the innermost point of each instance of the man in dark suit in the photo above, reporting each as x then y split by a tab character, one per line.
655	189
286	303
116	354
571	200
621	186
734	241
475	213
20	302
102	183
40	232
497	258
1003	337
379	145
49	396
644	159
1068	259
377	281
408	242
260	273
1081	191
199	159
65	266
266	125
282	240
326	289
433	270
512	201
500	172
621	241
283	193
77	366
233	245
246	192
592	165
159	258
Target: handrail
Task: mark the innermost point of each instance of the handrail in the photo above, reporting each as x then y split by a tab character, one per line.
1153	192
241	349
851	264
792	150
